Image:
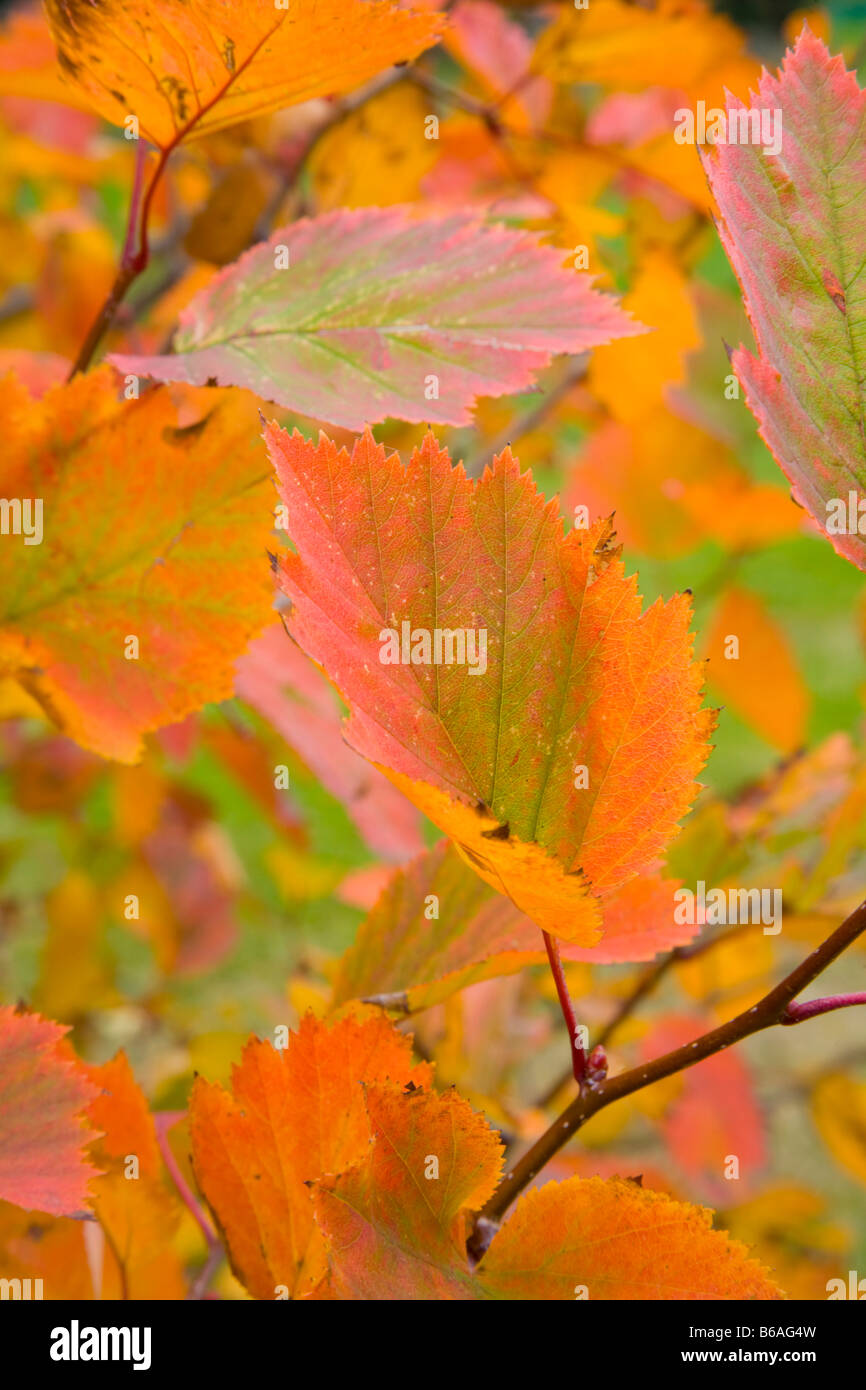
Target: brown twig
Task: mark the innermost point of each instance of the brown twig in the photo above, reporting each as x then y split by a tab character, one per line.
530	419
775	1008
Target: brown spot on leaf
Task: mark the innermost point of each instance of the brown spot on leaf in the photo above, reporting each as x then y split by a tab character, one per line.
835	291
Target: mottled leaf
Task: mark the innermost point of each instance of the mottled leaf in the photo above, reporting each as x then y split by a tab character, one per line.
372	313
397	1223
792	226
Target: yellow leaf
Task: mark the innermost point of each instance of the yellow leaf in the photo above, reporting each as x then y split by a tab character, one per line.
648	364
839	1112
556	900
74	975
672	44
376	155
746	647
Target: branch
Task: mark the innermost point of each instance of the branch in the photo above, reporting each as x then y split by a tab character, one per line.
531	419
777	1007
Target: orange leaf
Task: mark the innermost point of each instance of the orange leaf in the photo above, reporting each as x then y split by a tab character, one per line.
611	1239
560	756
672	486
137	1209
185	67
109	612
293	1116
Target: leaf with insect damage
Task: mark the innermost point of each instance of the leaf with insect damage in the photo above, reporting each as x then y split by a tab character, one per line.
185	68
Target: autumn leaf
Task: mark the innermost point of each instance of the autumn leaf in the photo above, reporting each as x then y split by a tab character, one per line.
75	974
148	579
787	1226
661	297
187	68
396	1224
293	1116
673	44
791	225
673	485
617	1241
128	1250
43	1094
560	766
743	643
838	1105
497	51
376	155
359	315
715	1118
28	63
438	928
137	1210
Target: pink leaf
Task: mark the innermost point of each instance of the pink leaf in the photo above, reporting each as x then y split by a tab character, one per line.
364	314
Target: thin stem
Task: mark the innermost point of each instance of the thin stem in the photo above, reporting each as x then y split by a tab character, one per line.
134	256
798	1013
215	1252
773	1009
530	420
200	1284
133	220
575	1032
164	1121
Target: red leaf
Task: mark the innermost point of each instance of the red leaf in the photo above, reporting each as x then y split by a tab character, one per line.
792	225
43	1092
